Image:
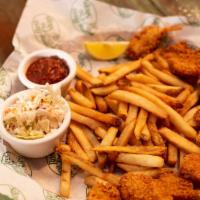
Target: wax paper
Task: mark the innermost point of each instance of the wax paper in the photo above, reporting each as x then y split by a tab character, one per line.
64	24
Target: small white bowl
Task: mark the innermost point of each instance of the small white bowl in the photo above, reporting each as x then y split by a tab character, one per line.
36	148
25	63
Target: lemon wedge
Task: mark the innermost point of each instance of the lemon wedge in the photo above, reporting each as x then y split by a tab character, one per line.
106	50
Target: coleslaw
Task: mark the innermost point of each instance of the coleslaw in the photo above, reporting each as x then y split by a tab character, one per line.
35	114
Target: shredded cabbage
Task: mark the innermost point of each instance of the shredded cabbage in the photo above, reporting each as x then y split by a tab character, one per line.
34	115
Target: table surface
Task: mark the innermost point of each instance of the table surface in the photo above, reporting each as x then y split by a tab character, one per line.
10	12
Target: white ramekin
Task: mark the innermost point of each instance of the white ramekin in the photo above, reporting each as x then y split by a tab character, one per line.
36	148
28	59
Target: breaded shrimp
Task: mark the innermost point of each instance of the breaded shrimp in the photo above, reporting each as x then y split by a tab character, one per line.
177	187
104	192
148	40
190	168
168	186
141	187
183	60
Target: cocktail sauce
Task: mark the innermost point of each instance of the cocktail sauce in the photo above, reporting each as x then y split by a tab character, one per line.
47	70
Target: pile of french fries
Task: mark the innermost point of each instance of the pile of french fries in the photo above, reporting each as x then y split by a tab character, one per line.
136	116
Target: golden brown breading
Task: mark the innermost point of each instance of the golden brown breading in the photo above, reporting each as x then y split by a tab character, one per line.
197	117
104	192
168	186
183	60
191	167
141	187
177	187
148	40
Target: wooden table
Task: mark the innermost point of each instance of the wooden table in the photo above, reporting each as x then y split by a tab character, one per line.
10	11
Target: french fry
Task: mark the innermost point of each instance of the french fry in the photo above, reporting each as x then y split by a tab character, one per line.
111	69
140	123
123	82
167	89
121	72
108	119
148	143
190	102
161	61
133	141
112	104
166	78
93	180
155	136
149	57
100	132
145	134
122	110
126	134
80	99
103	91
190	113
138	100
107	140
88	94
175	118
141	160
141	170
76	147
149	150
93	170
123	138
173	102
181	156
85	76
172	155
129	168
121	127
115	141
63	147
83	141
102	76
192	123
90	136
102	157
183	95
142	78
132	114
158	66
109	137
91	123
79	86
146	72
179	141
65	178
101	104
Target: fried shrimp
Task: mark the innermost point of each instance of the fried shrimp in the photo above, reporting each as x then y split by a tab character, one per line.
148	40
191	167
179	188
183	60
167	186
141	187
104	192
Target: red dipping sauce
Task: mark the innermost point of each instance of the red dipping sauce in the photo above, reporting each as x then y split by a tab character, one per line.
47	70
